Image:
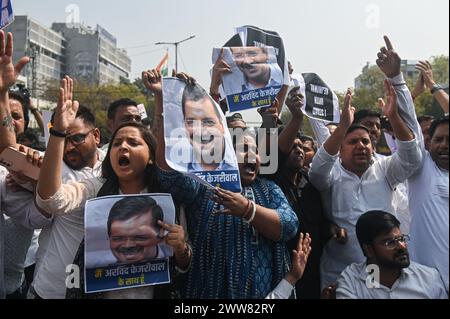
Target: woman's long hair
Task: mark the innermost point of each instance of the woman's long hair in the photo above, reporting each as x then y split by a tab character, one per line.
111	186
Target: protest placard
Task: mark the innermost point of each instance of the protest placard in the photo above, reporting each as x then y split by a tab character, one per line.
255	77
198	142
7	15
321	102
124	246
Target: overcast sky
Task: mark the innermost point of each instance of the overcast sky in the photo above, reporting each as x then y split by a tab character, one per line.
334	39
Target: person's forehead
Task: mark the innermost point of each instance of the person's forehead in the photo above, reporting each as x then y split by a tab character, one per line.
126	110
370	119
426	123
128	131
358	133
143	218
77	126
15	106
394	232
442	130
200	107
308	143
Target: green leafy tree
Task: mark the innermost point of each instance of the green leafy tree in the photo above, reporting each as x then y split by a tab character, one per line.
371	87
99	97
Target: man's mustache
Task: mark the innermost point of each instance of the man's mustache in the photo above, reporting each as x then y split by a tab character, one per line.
73	153
251	66
401	252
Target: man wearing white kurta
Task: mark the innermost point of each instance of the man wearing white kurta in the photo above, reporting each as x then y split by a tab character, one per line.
429	187
359	182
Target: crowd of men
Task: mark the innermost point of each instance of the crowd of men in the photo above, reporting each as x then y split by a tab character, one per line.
336	220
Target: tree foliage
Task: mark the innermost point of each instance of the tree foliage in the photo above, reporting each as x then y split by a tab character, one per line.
99	97
371	82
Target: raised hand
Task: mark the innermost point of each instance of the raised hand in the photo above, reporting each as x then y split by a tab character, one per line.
67	109
388	60
9	72
348	111
299	259
295	101
220	68
153	81
184	77
419	88
390	107
426	72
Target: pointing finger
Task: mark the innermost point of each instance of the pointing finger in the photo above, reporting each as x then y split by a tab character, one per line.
388	43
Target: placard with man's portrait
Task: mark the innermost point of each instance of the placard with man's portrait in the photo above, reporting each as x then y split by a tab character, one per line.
255	78
124	245
198	142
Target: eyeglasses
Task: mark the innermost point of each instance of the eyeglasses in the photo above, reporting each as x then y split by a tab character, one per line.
392	243
78	139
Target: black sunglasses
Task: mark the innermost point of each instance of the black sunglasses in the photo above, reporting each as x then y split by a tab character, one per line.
78	139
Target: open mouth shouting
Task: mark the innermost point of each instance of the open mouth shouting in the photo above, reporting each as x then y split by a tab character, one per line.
250	169
124	161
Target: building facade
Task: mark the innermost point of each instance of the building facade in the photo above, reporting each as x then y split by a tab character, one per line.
46	47
92	54
84	53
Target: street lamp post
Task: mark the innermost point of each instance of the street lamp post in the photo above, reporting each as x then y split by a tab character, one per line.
176	44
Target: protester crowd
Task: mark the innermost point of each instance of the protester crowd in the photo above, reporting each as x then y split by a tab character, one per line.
336	219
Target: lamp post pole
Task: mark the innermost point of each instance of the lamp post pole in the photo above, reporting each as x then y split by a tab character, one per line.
176	44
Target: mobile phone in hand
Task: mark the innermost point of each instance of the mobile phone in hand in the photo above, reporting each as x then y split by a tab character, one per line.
16	161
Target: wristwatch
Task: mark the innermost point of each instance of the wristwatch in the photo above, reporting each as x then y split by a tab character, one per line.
436	88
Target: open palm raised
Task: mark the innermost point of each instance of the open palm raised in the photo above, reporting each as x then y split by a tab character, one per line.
9	72
67	108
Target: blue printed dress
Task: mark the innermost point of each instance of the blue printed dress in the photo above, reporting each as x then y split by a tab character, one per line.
230	259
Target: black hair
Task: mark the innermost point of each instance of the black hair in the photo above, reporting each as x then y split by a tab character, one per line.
30	135
306	138
436	124
355	127
114	106
24	102
361	114
129	207
425	118
83	113
194	92
111	186
373	224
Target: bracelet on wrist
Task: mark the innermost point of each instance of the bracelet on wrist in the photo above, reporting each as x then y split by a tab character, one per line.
247	210
252	218
56	133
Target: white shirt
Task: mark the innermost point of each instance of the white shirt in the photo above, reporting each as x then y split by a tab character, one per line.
18	205
282	291
415	282
59	243
276	78
428	198
346	197
428	202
